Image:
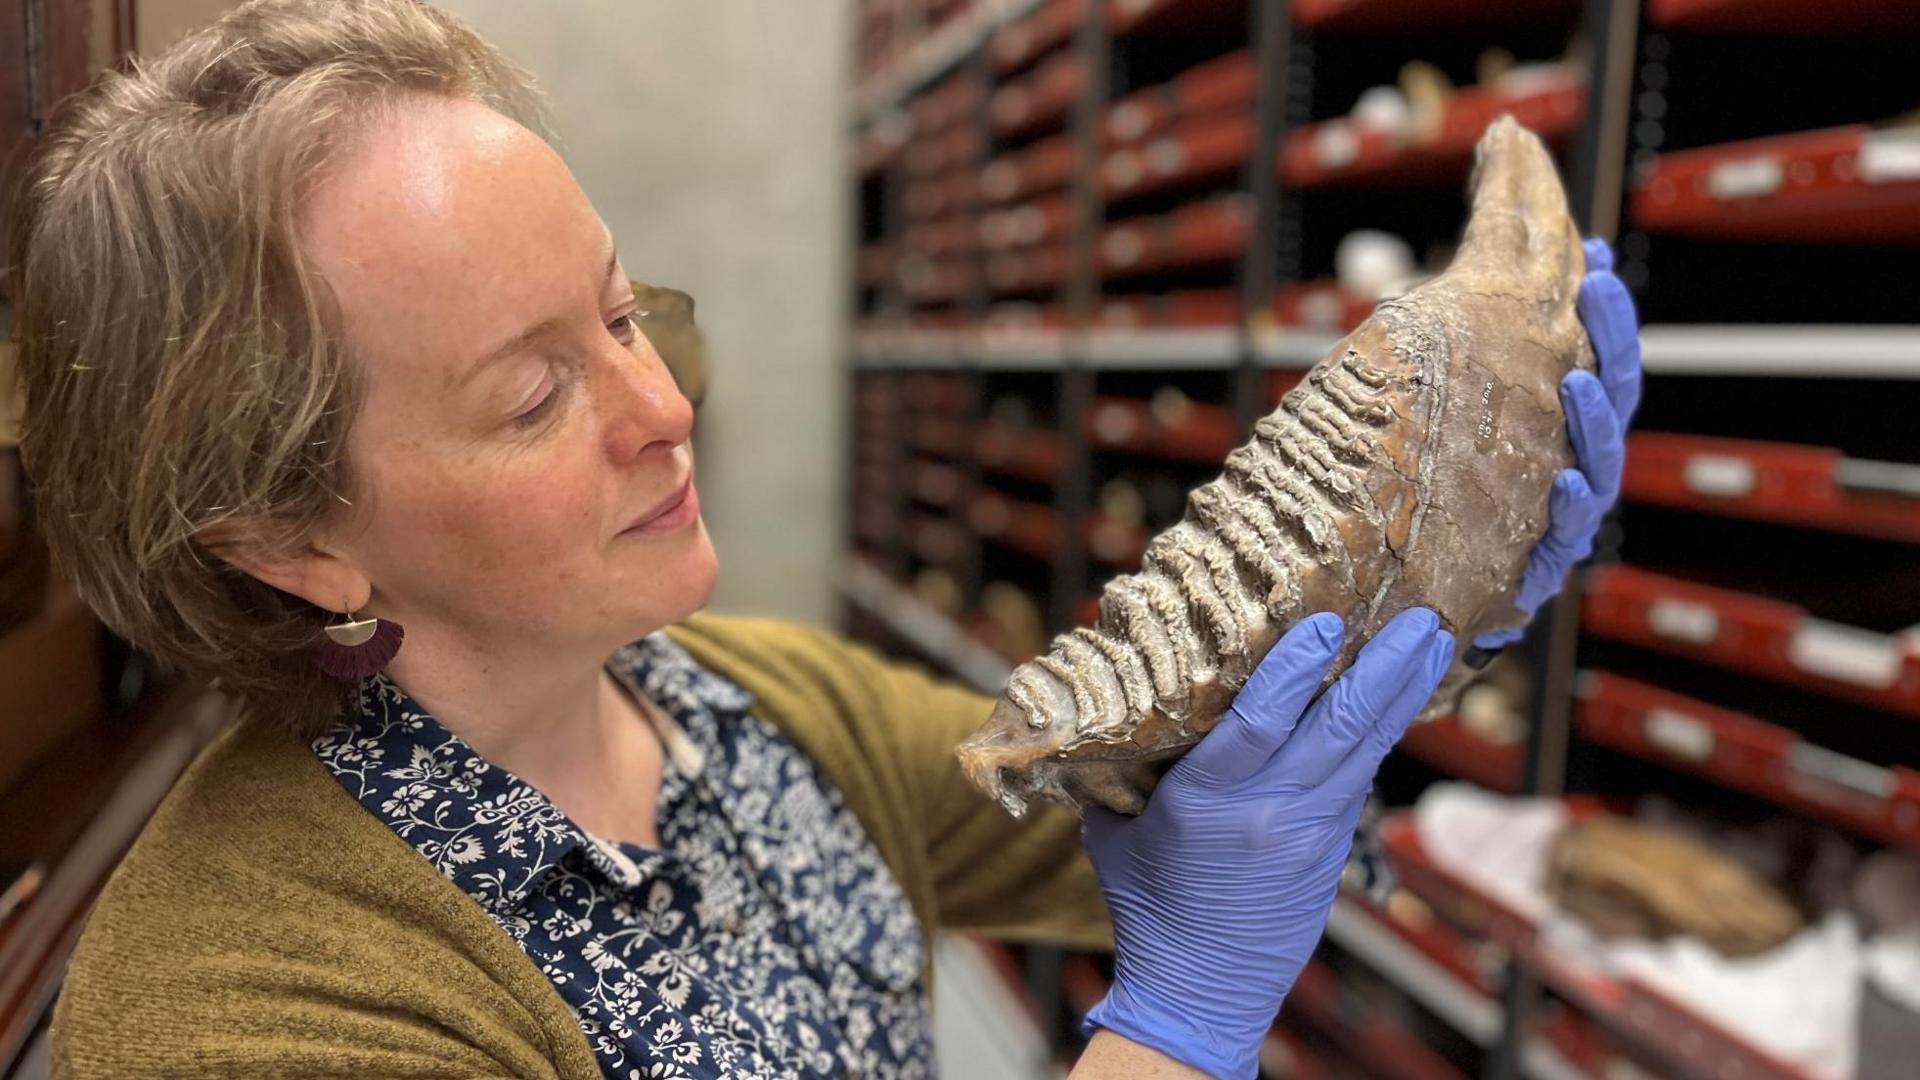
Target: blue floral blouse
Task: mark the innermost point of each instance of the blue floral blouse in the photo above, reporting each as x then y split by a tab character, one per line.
765	939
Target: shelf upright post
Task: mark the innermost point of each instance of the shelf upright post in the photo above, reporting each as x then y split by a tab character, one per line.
1044	965
1596	194
1271	32
1074	491
975	304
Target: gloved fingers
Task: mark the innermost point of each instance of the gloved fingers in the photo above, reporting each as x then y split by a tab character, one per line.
1547	572
1599	254
1613	326
1354	775
1264	713
1573	510
1599	440
1343	717
1495	640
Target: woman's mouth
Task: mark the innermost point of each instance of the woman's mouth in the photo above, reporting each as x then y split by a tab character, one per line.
676	512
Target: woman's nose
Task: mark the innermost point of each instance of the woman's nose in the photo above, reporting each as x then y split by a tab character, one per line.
641	409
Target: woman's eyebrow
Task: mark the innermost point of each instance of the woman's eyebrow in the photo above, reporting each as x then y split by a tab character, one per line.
531	334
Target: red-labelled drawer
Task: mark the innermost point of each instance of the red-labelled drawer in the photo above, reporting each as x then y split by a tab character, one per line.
1115	542
934	483
1046	220
1045	165
1200	307
1029	453
1193	151
1445	744
1202	234
935	540
939	436
941	196
1339	153
1228	82
1024	526
1769	638
947	103
1139	115
876	152
1175	16
1280	383
1366	1035
1816	486
932	392
874	264
1751	755
1406	14
875	524
1845	184
1029	270
1025	40
1039	101
935	281
925	156
1190	432
938	239
1786	16
1320	305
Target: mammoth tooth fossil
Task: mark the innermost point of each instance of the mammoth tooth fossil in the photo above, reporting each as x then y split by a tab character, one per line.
1410	467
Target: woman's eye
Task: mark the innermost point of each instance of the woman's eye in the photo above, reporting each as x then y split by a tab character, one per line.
532	416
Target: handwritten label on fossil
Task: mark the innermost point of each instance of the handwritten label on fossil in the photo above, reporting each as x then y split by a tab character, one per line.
1494	396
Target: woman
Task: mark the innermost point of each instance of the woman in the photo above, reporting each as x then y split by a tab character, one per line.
316	332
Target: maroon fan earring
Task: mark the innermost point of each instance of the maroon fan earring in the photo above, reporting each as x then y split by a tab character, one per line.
358	648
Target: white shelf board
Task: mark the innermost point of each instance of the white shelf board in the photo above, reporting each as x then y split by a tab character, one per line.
1464	1008
931	632
1038	350
1289	348
1788	350
1174	347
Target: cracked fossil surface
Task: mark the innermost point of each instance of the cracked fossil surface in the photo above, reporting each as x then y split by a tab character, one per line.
1410	467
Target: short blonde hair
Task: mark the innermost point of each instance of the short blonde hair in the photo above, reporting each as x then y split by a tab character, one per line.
177	361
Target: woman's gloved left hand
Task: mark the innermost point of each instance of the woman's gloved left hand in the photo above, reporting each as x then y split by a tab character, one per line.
1598	410
1220	889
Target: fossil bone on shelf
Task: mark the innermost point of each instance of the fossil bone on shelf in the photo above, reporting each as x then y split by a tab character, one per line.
1410	467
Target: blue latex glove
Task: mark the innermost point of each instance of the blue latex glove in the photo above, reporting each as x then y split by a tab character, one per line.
1220	888
1598	410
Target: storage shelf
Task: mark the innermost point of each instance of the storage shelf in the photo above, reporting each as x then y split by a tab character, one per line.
1757	635
933	634
1170	349
1814	486
1213	232
1039	101
933	55
1786	16
1837	185
1750	755
1028	453
1445	744
1340	153
1190	152
1223	85
1041	166
1029	527
1116	543
1413	14
1365	1035
1200	433
934	483
1800	351
1022	41
1662	1028
1434	966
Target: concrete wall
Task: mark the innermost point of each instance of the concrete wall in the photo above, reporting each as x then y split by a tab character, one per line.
711	137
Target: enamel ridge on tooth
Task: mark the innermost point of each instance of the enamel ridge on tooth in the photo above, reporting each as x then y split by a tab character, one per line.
1410	467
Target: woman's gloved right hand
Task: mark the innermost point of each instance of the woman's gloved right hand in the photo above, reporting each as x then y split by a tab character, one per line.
1220	889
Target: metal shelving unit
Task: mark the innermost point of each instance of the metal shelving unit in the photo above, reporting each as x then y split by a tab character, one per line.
1159	253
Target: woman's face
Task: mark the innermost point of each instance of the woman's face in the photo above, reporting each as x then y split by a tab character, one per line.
522	454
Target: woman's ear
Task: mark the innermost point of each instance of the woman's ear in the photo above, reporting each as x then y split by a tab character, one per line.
325	580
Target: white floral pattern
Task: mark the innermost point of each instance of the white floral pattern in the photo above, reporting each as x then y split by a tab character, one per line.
766	939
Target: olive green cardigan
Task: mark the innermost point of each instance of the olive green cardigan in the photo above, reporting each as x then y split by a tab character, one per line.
266	925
